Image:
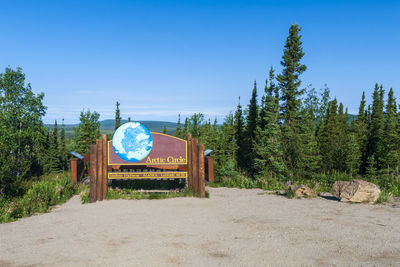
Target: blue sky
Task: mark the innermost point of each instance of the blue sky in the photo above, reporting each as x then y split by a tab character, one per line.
161	58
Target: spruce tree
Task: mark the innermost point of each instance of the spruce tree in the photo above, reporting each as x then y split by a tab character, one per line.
376	126
390	149
342	145
239	137
54	159
360	128
164	129
178	131
353	154
87	131
117	117
252	121
328	137
186	128
310	158
289	83
63	148
267	145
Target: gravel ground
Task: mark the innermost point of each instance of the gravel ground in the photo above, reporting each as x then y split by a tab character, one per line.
235	227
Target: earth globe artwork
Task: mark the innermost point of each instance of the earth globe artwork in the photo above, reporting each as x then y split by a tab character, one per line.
132	142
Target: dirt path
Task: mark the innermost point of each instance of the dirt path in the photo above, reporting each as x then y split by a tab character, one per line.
233	228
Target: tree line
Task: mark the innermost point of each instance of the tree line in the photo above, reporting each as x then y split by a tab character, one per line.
299	134
289	134
28	149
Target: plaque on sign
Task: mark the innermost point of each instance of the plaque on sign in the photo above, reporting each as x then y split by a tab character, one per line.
134	144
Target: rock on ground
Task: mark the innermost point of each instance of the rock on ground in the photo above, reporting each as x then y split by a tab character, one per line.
356	191
302	191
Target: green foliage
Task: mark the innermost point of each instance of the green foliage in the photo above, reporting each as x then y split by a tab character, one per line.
239	137
118	193
63	148
310	140
289	83
178	131
117	117
50	190
22	135
250	132
87	131
268	154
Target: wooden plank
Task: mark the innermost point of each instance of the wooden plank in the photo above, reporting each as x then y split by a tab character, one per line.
105	176
202	172
99	190
74	170
190	165
195	165
210	168
93	173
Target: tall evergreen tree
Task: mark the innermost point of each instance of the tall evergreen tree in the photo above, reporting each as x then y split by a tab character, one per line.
53	154
267	145
186	128
63	147
239	137
289	83
376	127
360	128
117	117
178	131
164	129
252	121
87	131
310	159
390	149
353	155
328	136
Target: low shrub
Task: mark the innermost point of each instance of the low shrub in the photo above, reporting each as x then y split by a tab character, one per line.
117	193
48	191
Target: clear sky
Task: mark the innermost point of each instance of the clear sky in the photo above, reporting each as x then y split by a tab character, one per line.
161	58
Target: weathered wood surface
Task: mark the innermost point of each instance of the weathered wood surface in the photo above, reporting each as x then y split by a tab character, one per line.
190	166
74	170
104	163
99	179
202	172
210	169
195	165
93	173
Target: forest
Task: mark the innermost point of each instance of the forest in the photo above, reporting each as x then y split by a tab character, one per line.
287	133
300	135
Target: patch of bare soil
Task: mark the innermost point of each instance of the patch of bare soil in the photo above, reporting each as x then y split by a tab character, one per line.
235	227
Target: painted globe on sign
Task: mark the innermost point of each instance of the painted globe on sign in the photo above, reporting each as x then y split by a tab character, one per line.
132	142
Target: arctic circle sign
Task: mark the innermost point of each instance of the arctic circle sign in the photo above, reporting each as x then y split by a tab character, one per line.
132	142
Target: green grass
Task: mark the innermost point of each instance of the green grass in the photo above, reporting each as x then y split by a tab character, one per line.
385	197
43	194
126	193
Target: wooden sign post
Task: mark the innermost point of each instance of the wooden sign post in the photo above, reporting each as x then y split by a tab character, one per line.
170	158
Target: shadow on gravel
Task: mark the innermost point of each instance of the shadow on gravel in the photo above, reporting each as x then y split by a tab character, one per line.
330	198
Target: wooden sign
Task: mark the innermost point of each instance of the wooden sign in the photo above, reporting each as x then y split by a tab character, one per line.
137	153
166	150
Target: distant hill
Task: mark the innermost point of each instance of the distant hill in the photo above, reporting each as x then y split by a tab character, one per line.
107	127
